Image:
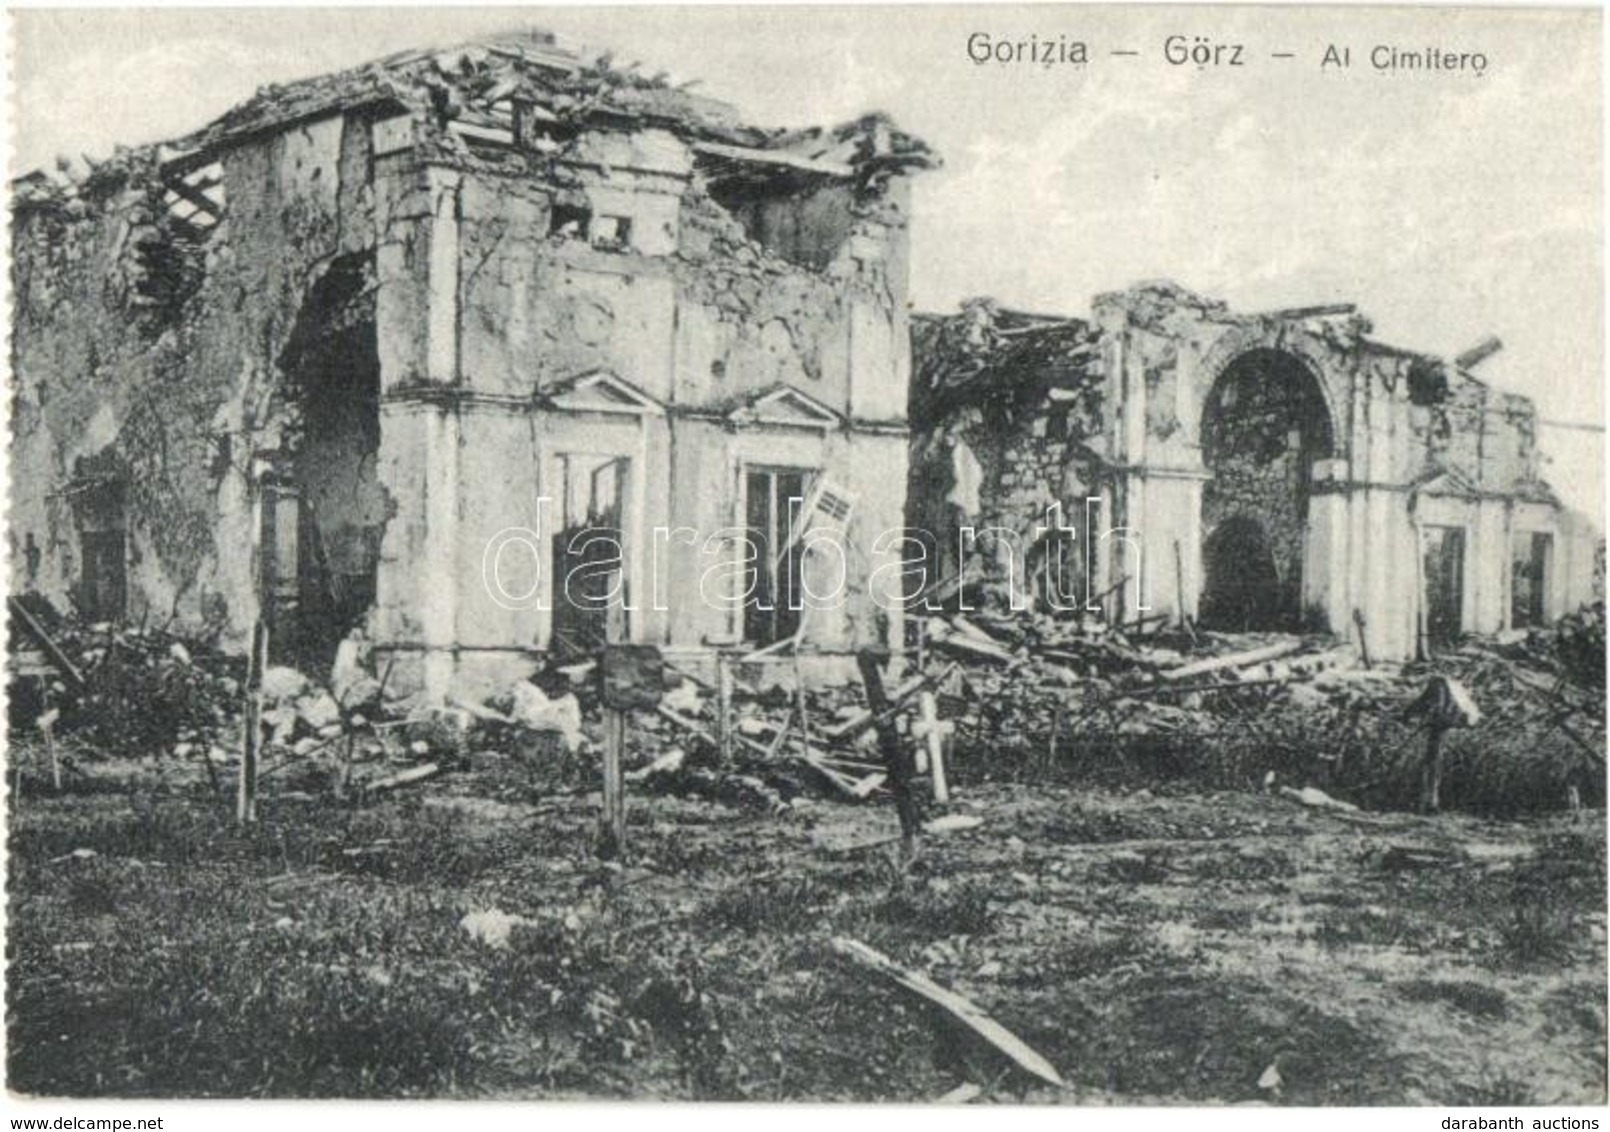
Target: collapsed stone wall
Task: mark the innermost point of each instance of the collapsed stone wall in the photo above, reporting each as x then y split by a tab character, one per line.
1012	442
691	307
146	349
1486	437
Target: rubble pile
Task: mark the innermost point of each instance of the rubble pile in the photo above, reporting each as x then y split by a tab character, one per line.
1575	647
125	690
134	692
1039	696
1021	696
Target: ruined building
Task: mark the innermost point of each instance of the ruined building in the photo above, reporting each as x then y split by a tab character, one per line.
1280	470
390	348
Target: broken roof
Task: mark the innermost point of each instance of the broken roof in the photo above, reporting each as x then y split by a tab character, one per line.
988	351
483	86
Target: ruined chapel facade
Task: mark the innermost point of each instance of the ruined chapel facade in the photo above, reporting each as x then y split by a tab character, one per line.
408	347
1274	470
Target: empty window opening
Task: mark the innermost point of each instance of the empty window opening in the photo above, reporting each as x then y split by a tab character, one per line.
571	221
1057	424
612	232
588	554
1533	555
1443	553
774	502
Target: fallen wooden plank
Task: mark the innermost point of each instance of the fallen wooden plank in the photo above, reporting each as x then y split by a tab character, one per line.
404	778
699	731
944	637
974	631
769	650
952	823
1147	691
962	1009
751	155
46	643
1232	660
667	763
480	711
1318	799
842	782
692	726
898	699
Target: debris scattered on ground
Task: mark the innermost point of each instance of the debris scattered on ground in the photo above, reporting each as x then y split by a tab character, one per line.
1018	695
492	927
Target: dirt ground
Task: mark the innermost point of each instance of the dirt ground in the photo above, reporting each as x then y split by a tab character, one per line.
1172	946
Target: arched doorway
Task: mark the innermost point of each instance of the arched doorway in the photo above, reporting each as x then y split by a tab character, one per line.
1264	424
324	510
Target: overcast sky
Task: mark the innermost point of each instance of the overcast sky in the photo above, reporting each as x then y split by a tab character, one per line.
1447	207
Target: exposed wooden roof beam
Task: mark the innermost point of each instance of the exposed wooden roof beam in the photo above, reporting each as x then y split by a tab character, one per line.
747	155
196	197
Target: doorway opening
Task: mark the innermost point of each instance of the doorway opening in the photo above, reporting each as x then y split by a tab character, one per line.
774	503
324	518
1244	592
1532	553
1443	554
588	554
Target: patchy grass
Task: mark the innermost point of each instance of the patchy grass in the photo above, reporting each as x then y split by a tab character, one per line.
1154	949
1476	999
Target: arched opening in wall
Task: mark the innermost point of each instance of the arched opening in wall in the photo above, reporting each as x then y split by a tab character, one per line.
1264	425
324	512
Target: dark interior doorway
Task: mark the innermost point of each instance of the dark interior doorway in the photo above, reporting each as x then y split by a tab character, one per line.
1444	564
1244	592
101	511
325	517
774	501
1533	553
589	555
